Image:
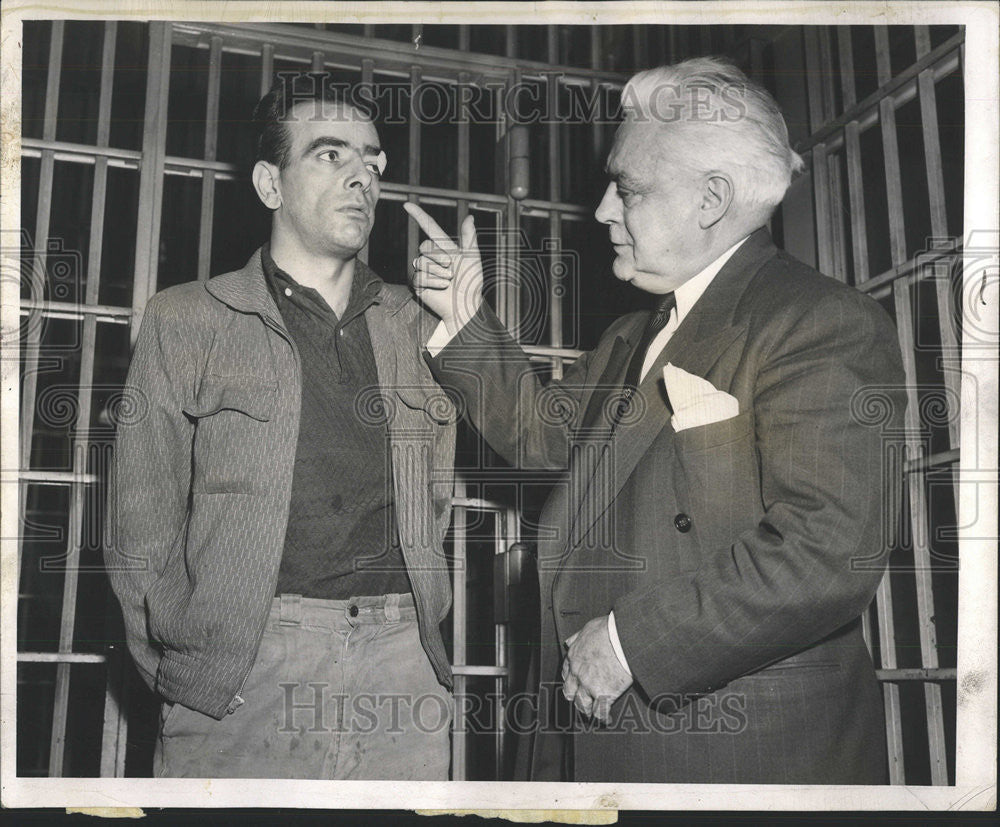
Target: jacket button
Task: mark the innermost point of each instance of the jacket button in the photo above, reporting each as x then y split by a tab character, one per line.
682	522
353	611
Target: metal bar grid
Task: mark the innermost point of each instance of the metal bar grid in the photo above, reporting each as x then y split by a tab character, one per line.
293	43
835	182
60	657
196	168
890	149
950	347
829	134
81	440
266	68
31	346
72	310
367	74
820	167
900	89
154	140
920	530
211	144
509	289
458	632
890	690
464	151
856	194
413	172
31	354
555	217
80	153
503	530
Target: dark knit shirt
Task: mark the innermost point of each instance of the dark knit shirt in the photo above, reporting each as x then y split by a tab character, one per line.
342	539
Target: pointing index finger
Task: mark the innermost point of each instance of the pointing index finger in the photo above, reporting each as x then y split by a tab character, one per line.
429	226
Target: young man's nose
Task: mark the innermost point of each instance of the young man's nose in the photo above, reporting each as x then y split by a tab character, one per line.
359	176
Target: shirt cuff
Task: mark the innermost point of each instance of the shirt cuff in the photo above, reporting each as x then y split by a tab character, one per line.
616	644
439	339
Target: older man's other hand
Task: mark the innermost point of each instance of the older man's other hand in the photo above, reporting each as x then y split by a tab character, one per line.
593	677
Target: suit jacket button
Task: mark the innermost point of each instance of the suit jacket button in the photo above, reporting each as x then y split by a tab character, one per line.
682	522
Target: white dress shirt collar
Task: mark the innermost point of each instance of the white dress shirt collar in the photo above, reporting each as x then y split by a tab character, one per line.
689	292
686	296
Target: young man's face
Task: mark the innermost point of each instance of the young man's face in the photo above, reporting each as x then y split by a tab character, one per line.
330	185
651	209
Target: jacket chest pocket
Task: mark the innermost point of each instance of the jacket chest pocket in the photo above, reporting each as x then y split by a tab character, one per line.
719	479
231	445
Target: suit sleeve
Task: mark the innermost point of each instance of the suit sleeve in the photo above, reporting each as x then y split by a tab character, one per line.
789	582
150	475
524	421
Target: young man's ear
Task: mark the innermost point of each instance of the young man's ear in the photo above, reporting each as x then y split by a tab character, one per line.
717	197
266	182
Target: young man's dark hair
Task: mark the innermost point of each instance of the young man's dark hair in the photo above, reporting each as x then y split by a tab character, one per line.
288	90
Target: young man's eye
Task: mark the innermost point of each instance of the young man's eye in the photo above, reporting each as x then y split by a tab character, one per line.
372	167
330	155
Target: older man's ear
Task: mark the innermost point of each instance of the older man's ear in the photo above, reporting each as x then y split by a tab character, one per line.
716	198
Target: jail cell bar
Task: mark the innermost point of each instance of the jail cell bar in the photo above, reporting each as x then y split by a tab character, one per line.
89	312
834	132
506	530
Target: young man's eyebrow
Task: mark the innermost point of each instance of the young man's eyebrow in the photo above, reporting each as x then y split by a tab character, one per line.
339	143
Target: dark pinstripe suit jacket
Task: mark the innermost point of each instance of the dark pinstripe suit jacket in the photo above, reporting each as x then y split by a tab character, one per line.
737	556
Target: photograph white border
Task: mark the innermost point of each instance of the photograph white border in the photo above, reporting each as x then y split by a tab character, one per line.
976	748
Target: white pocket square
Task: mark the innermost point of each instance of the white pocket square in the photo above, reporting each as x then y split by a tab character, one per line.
696	401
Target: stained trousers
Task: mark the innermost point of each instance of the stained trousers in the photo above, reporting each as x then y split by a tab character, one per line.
340	689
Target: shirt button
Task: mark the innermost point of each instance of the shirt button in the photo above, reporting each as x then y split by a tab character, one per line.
682	522
288	291
341	332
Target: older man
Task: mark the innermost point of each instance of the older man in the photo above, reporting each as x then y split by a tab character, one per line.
276	516
700	602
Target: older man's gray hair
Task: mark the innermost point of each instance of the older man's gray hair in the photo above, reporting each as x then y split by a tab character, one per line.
716	118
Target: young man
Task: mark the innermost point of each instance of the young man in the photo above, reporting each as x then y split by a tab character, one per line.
276	514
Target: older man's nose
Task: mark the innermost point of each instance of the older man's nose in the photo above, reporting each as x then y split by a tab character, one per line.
609	208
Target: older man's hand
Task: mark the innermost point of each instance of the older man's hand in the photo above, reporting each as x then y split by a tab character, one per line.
593	677
447	277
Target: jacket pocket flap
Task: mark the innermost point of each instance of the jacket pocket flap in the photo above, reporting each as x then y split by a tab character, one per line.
247	394
702	437
430	399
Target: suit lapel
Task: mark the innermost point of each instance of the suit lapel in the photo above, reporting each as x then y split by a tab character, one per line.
610	381
702	338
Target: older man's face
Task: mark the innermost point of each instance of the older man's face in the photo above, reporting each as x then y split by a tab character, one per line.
331	183
651	209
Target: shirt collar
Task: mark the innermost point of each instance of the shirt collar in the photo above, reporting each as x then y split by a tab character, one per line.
689	292
366	286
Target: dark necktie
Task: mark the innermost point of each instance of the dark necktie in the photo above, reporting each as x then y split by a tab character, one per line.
657	321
